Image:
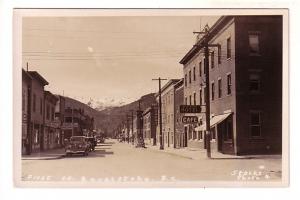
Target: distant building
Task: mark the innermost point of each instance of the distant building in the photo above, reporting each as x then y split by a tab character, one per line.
60	116
168	111
245	85
180	139
149	125
51	134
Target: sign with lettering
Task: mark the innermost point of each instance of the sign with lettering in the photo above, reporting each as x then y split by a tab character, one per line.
190	109
189	119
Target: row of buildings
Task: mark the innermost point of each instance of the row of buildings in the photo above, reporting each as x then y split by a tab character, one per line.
245	74
48	119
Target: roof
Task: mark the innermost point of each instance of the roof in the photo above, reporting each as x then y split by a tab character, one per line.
168	84
35	75
53	98
26	76
220	23
179	84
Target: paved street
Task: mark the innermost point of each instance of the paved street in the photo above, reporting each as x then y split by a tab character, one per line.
123	162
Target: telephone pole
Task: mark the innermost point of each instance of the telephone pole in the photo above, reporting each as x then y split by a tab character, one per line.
160	115
207	100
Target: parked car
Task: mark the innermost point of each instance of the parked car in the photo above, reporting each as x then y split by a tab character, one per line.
77	145
92	143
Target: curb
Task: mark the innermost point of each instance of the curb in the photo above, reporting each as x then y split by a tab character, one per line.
44	158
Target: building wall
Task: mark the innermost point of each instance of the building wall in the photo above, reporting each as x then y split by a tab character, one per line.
179	129
25	120
37	114
168	116
267	64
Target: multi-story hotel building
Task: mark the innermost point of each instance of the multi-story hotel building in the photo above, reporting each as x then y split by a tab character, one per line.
245	74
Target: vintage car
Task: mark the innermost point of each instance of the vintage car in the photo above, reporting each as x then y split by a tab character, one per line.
77	145
92	143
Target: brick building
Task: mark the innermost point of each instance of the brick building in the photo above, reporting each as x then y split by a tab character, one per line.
246	101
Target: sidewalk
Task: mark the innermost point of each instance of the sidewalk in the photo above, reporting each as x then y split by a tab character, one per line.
46	155
198	154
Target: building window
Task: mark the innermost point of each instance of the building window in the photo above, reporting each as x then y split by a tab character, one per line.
194	73
212	60
213	133
185	80
190	76
219	88
254	83
41	106
229	47
255	124
190	99
200	69
228	83
23	100
34	103
200	96
205	91
219	54
194	135
52	114
204	67
200	135
212	91
195	98
47	112
186	101
254	43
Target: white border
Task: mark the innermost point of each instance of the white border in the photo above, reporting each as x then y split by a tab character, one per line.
7	190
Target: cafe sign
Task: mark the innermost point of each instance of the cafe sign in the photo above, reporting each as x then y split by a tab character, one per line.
189	119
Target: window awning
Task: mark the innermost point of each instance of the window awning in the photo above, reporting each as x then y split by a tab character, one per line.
213	121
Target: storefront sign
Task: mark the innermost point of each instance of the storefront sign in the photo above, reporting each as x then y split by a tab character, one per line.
189	119
190	109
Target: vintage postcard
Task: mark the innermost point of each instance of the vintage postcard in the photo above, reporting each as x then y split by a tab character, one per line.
151	98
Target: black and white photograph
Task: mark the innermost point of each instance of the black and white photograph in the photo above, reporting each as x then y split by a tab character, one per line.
150	97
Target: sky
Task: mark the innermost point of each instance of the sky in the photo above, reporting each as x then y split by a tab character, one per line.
110	59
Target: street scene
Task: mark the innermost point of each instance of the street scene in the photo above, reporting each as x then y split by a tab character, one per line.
152	99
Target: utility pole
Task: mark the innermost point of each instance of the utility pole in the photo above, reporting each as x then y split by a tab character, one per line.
160	115
207	100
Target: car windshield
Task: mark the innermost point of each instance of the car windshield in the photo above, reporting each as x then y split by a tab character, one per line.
77	139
